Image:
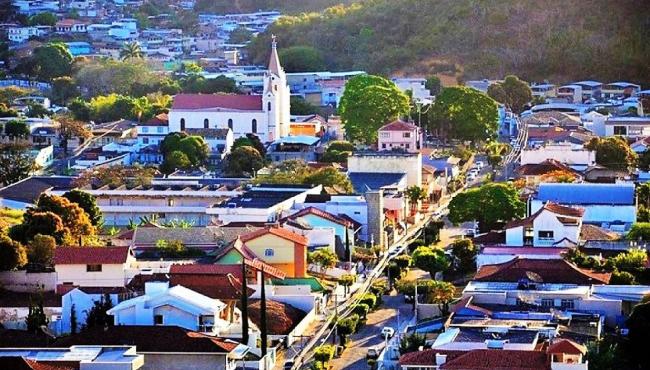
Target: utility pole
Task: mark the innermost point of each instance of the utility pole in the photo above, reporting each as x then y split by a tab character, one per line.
336	316
263	314
244	303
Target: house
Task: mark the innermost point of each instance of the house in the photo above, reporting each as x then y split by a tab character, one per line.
571	93
153	131
552	225
535	173
309	125
92	356
353	208
322	228
544	90
91	267
590	89
619	90
573	155
629	127
24	193
265	115
388	162
165	347
113	132
23	34
416	87
543	272
176	306
602	174
302	147
612	206
400	135
70	26
641	145
280	248
219	140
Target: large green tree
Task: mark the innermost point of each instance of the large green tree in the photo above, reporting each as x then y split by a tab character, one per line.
301	59
490	205
16	163
17	129
194	148
431	260
87	202
368	103
464	113
12	254
131	50
43	19
512	92
50	61
613	152
244	161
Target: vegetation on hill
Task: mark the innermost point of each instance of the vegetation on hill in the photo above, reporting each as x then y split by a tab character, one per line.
468	39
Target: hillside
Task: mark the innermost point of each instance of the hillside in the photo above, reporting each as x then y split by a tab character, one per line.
284	6
557	40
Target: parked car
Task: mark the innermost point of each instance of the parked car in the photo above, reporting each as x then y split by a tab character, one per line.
470	176
373	353
288	364
387	331
479	165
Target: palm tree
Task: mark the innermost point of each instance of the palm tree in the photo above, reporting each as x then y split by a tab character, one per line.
131	50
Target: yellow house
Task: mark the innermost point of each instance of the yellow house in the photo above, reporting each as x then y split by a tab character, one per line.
275	246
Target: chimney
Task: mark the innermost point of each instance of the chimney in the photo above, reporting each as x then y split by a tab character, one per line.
375	207
440	359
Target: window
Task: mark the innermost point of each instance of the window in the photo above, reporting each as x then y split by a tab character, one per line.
145	140
547	302
567	304
145	129
170	202
545	234
620	130
182	124
406	134
206	123
269	252
230	123
157	319
94	268
408	146
385	135
116	202
383	146
160	129
162	215
268	106
254	126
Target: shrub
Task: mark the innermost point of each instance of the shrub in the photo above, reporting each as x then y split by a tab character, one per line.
411	343
369	299
324	353
341	146
403	261
633	260
464	252
361	309
622	278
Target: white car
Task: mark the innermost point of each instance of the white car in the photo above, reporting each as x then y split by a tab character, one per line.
387	331
479	165
471	176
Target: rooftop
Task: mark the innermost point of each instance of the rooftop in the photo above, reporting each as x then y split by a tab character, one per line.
587	193
209	133
216	101
29	189
398	125
365	181
544	271
90	255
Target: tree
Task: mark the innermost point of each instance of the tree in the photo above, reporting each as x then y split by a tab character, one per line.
34	223
464	113
613	152
368	103
174	161
70	128
36	317
301	107
17	129
16	163
301	59
12	254
97	316
411	343
490	205
329	177
41	250
324	258
433	84
603	355
346	282
324	353
561	176
464	252
63	90
257	143
43	19
638	324
431	260
132	77
87	202
622	278
512	92
639	231
76	223
50	61
633	261
415	194
345	327
194	148
131	50
36	110
244	161
441	293
240	35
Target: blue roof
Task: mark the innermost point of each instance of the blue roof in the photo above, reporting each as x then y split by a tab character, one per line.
439	164
300	139
364	181
586	193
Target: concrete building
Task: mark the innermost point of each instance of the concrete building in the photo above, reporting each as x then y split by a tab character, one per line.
572	155
629	127
91	267
400	135
388	162
551	226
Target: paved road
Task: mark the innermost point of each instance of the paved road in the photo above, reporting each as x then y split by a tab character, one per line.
354	357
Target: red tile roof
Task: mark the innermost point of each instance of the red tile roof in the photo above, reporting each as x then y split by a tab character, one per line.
90	255
592	232
398	125
20	363
281	319
205	269
556	271
222	287
552	207
515	251
538	169
427	357
207	101
566	346
161	119
499	359
250	258
320	213
149	339
277	231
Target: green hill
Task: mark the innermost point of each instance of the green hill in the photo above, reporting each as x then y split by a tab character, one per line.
558	40
285	6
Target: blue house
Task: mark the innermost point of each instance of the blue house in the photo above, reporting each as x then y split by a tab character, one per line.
611	206
78	48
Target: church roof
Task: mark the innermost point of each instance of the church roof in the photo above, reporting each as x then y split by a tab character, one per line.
274	60
227	101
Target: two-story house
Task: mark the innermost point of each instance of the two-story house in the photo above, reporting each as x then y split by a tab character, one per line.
322	229
91	267
400	135
153	131
552	225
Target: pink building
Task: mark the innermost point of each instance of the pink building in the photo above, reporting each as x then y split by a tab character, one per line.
400	135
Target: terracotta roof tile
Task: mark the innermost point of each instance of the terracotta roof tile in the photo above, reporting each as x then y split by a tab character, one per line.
556	271
538	169
427	356
398	125
208	101
592	232
281	317
90	255
567	346
222	287
277	231
564	210
320	213
499	360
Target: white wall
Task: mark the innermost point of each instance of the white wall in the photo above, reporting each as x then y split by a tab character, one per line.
111	275
83	303
515	236
21	281
599	213
385	163
547	221
564	153
175	361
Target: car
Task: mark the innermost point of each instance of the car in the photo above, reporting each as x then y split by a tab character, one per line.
288	364
372	354
387	332
469	232
470	177
475	171
479	164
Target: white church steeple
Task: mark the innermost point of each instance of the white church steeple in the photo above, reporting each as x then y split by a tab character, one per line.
276	95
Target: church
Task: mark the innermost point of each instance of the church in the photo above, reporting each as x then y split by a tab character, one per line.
266	115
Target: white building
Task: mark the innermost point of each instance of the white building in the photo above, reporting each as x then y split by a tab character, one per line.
551	226
416	86
574	156
91	266
632	127
388	162
91	357
266	115
176	306
22	34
